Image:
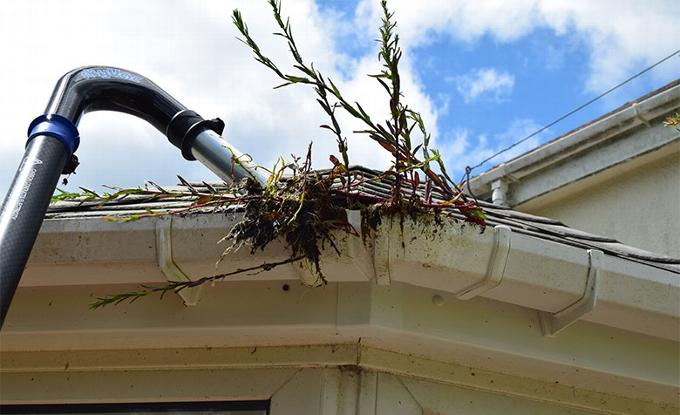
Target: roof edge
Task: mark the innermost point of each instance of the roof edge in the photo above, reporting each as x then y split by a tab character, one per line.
610	125
454	259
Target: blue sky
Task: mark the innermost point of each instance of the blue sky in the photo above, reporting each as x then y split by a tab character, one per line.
521	84
484	74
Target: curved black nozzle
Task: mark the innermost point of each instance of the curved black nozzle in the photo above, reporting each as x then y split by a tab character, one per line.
53	139
99	88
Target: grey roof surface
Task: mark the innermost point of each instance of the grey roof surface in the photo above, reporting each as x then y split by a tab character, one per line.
523	223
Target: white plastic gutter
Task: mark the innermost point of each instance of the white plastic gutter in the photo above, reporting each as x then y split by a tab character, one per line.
561	282
580	140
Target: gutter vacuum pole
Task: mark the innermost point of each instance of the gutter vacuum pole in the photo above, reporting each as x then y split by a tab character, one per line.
53	139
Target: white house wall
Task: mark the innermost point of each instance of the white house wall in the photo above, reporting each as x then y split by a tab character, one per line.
640	207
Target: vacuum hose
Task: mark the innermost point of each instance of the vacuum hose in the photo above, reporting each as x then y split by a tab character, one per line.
53	139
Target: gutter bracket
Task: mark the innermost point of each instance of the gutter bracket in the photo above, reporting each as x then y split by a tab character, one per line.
496	267
167	264
553	323
638	115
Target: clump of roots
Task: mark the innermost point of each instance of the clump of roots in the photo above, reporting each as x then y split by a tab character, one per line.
305	207
299	209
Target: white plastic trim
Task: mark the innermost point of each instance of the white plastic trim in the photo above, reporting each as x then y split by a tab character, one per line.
496	266
611	126
167	264
639	293
553	323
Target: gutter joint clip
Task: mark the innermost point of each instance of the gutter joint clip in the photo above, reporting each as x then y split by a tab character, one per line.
167	264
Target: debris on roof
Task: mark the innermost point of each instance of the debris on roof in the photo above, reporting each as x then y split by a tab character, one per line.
372	185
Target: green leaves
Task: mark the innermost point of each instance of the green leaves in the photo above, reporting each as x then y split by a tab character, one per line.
88	195
63	196
672	121
299	205
395	135
177	286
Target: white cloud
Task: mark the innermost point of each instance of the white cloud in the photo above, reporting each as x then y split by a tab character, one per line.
484	82
189	49
462	148
622	35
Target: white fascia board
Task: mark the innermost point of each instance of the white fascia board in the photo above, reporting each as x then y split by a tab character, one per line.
583	139
538	274
647	144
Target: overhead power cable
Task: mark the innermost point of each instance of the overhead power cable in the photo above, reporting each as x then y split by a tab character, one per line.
469	169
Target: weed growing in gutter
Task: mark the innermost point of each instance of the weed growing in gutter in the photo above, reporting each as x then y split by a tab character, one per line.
395	135
672	121
304	207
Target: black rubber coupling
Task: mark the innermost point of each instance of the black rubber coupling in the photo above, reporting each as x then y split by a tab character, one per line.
185	126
